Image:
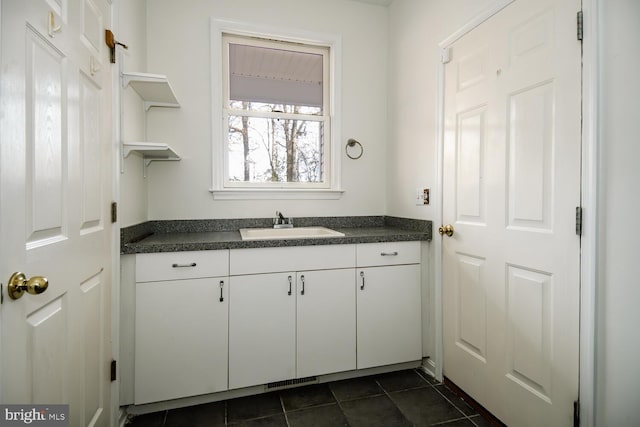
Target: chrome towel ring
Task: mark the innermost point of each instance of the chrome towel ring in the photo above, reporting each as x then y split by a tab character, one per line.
352	143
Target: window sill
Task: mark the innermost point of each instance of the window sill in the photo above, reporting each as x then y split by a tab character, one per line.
276	194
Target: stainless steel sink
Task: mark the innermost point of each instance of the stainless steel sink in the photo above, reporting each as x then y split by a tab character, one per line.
288	233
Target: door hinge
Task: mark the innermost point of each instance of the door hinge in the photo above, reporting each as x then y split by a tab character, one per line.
1	293
576	413
580	23
113	370
579	220
114	212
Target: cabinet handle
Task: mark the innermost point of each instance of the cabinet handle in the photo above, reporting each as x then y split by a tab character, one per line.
302	280
362	275
289	293
221	287
388	253
193	264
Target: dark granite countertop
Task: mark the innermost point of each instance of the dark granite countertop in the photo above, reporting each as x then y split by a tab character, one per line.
196	235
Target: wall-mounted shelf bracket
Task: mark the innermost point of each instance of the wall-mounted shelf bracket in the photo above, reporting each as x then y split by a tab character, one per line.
154	89
151	152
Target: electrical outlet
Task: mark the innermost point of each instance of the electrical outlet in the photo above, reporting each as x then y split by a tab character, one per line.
425	196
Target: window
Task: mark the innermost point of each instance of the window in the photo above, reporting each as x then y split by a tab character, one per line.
276	107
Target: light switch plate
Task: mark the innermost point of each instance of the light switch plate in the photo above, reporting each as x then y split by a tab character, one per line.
422	196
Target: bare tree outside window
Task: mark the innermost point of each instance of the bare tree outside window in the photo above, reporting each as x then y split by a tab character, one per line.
274	149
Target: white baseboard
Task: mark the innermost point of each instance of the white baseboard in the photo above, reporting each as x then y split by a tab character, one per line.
429	366
122	417
248	391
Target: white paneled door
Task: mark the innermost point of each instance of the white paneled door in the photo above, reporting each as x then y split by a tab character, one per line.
56	185
511	186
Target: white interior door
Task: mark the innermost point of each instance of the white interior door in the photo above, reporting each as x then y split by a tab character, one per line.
55	190
511	185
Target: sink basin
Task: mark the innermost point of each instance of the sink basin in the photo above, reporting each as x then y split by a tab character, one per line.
288	233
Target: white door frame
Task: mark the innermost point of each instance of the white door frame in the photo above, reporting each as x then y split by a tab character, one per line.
1	280
116	414
589	194
589	177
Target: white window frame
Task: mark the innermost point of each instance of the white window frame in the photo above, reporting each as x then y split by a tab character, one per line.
221	189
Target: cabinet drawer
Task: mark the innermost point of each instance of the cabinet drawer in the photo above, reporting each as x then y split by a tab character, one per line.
181	265
387	253
298	258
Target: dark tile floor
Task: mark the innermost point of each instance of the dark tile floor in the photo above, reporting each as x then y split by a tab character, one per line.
403	398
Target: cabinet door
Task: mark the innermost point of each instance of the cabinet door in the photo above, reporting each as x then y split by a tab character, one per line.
181	338
262	329
388	315
326	322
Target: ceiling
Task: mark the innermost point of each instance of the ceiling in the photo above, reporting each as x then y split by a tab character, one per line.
378	2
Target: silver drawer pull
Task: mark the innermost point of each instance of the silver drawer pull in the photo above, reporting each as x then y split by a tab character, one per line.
193	264
389	253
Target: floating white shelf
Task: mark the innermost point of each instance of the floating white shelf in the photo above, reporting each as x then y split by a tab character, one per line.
150	151
154	89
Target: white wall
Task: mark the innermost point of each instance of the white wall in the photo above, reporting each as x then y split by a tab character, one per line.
132	32
178	41
618	286
416	27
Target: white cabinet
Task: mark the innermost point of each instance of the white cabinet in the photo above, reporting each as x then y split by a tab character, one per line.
326	322
388	304
262	329
181	325
297	324
209	321
181	265
291	258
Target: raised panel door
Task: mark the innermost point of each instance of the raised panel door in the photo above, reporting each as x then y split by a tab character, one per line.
511	184
56	176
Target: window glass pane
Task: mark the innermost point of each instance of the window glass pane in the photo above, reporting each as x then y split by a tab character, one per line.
264	150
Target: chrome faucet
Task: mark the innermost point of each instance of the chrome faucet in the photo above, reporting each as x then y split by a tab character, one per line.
281	222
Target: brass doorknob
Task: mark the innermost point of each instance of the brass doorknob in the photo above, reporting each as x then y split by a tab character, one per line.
18	283
446	229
